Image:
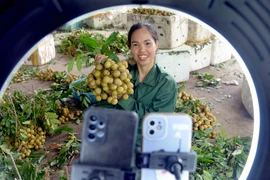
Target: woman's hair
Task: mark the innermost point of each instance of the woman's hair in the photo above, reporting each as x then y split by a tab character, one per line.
140	25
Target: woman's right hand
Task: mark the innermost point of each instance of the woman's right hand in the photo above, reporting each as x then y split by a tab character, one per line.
99	58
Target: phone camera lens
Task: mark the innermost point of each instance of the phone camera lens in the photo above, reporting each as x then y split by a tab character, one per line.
152	123
91	136
93	118
100	134
151	132
92	127
101	125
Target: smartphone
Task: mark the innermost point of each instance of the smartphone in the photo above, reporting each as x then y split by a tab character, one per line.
108	137
170	132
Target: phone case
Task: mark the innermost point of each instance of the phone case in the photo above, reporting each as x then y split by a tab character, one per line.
108	137
170	132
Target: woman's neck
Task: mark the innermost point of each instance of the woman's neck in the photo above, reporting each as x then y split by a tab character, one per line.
143	71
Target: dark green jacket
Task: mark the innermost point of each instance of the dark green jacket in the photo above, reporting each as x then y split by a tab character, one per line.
157	93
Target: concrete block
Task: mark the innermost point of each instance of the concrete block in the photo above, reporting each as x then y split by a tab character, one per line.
168	28
44	53
176	62
246	97
197	32
221	51
200	56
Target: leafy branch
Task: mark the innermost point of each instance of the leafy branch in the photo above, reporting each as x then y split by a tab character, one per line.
206	79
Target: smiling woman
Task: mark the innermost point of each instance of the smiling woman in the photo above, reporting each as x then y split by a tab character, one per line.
154	89
245	26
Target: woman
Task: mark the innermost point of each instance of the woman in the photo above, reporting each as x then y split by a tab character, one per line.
154	89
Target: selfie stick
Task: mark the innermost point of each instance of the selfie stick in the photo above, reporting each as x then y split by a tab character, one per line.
174	162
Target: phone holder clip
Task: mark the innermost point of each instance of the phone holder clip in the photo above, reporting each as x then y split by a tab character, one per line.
174	162
88	172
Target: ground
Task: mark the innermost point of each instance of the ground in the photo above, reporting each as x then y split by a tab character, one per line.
225	100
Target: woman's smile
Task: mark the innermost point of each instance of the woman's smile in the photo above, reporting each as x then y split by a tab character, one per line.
143	57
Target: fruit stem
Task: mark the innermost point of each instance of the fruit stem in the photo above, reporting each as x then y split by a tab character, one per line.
14	164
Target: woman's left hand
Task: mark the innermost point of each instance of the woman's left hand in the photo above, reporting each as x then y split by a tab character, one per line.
99	58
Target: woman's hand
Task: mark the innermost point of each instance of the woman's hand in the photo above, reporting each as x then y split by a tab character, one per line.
119	96
99	58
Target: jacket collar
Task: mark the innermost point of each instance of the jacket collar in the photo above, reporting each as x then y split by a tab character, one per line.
150	79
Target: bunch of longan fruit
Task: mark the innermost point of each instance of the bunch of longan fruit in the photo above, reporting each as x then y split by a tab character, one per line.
59	77
46	75
110	81
34	138
150	11
65	114
202	118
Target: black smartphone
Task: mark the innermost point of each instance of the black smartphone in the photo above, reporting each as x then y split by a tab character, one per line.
108	137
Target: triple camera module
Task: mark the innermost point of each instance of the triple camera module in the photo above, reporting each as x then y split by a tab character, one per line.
96	129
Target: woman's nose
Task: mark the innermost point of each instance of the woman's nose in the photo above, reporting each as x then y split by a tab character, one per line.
141	48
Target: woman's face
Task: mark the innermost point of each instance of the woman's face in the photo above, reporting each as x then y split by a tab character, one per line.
143	47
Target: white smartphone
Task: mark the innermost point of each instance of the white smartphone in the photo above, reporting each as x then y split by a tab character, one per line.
171	132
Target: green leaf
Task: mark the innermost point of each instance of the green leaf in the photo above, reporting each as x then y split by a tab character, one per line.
223	133
108	41
79	64
238	171
229	174
70	65
97	51
182	87
61	172
207	131
41	158
238	151
91	43
51	115
199	177
68	144
205	160
26	122
112	56
206	175
64	128
22	136
55	121
53	163
4	148
195	148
